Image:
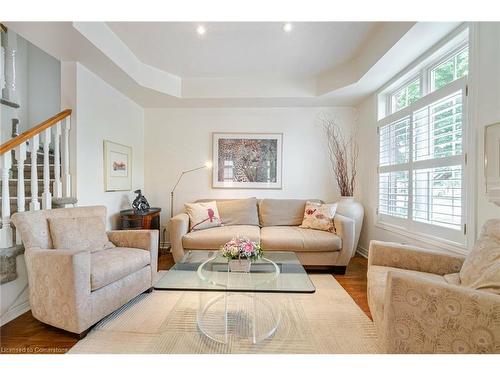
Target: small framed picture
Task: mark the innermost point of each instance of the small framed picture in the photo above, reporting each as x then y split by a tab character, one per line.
247	160
117	167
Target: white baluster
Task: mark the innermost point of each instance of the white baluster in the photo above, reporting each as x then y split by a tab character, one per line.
6	230
66	178
46	195
33	146
21	200
57	187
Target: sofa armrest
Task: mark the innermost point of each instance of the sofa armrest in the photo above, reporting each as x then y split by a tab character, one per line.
428	316
391	254
344	227
59	282
144	239
178	226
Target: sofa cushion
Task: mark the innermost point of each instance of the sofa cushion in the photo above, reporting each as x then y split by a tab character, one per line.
79	233
481	268
238	211
298	239
377	284
108	266
214	238
202	215
273	212
319	216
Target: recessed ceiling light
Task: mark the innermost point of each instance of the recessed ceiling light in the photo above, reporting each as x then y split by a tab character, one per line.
287	27
201	30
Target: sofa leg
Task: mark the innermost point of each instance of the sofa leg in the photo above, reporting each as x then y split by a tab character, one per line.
149	290
339	270
82	335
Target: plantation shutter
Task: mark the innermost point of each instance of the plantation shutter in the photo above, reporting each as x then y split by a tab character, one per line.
437	162
394	170
421	164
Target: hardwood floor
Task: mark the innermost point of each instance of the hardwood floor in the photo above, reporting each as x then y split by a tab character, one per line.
25	334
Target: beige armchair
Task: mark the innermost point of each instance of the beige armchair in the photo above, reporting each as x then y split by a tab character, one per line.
74	289
427	302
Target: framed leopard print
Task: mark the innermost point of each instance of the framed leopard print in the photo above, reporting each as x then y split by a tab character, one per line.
247	160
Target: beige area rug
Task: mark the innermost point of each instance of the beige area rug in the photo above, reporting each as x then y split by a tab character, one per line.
328	321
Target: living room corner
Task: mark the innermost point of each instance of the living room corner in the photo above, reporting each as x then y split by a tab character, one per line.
229	184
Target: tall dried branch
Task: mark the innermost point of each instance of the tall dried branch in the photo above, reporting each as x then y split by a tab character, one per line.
343	153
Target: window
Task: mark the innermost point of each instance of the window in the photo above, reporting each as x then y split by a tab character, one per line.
406	95
421	151
457	66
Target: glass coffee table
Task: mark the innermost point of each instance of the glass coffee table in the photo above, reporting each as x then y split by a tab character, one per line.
243	303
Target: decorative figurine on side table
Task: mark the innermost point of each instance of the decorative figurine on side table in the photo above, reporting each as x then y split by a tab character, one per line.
140	203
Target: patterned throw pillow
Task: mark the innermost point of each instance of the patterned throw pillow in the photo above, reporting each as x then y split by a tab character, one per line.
319	216
79	233
202	215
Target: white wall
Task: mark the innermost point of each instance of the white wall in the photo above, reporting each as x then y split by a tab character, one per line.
484	102
44	86
180	139
102	113
486	92
38	88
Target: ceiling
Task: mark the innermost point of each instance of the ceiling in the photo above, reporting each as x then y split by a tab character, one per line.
244	64
243	49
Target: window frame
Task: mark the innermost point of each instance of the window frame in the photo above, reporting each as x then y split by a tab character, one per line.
422	67
452	236
405	83
447	56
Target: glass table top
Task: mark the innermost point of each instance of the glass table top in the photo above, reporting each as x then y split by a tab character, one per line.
207	270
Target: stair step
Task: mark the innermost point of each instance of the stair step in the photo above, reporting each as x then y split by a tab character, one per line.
27	187
39	158
27	172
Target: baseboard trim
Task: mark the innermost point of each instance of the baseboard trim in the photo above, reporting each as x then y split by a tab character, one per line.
14	313
363	252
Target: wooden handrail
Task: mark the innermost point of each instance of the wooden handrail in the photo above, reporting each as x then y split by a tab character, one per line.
23	137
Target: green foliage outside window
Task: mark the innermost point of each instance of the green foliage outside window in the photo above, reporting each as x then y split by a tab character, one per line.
455	67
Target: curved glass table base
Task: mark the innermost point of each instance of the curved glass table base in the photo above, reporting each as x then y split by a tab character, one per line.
246	315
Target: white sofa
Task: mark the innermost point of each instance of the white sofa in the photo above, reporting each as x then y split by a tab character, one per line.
274	223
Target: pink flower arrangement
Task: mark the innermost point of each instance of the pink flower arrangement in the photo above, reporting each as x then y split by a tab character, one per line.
241	248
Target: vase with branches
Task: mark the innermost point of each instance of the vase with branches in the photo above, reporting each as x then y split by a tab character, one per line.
343	152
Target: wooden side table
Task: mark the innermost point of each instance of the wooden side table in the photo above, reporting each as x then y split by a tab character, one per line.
130	219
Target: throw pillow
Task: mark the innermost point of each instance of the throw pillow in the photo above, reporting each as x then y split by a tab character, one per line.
239	211
202	215
319	216
481	268
79	233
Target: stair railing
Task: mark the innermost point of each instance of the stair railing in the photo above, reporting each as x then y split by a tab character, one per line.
56	130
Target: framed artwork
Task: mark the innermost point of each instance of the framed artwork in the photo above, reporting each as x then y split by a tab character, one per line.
247	160
117	167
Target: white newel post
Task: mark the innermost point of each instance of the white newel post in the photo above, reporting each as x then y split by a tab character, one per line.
46	195
21	200
66	178
57	187
33	146
6	230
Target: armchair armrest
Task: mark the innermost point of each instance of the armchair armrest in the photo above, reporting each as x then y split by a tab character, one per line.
178	226
429	316
59	283
344	227
390	254
144	239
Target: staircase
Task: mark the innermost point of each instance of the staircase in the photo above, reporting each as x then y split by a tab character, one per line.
13	179
34	168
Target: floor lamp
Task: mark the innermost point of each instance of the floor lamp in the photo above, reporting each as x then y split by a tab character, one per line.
208	165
